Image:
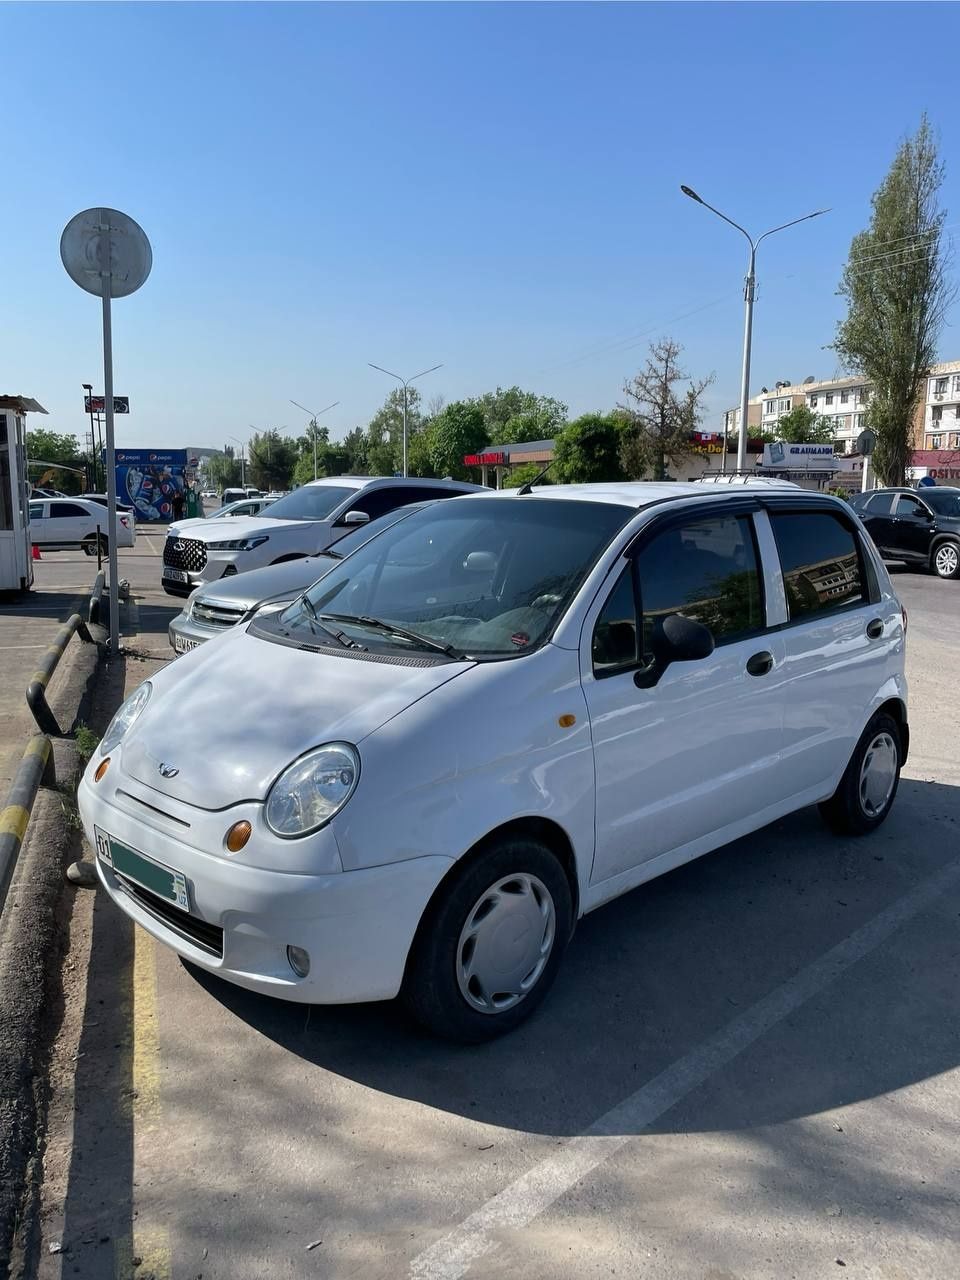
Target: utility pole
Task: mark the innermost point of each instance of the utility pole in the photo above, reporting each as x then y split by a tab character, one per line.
405	382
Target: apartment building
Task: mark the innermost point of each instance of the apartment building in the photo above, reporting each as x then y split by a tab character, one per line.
844	401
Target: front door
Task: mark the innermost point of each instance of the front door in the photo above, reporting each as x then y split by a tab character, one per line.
699	751
913	527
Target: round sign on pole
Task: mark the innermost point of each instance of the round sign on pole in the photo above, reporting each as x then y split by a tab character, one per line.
866	442
104	244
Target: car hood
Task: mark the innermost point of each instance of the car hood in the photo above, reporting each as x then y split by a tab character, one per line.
229	734
230	527
246	589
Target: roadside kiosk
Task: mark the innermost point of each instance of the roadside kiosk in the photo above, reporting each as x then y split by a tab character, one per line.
16	566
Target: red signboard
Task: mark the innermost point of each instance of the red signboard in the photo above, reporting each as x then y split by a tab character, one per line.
493	458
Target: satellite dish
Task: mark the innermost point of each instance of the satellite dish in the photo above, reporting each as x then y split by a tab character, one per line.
104	244
807	381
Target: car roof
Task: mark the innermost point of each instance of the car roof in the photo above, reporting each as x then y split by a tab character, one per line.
362	482
644	493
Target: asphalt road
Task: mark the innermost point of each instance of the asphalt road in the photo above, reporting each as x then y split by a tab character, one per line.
748	1068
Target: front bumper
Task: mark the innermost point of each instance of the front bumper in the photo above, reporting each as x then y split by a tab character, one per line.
184	633
219	564
356	926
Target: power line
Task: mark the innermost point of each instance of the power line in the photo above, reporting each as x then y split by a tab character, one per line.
906	248
914	235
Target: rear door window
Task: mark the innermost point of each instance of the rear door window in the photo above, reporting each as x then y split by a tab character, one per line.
879	505
821	562
59	510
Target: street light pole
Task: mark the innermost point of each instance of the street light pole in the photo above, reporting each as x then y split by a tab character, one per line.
749	292
242	476
88	388
405	382
313	423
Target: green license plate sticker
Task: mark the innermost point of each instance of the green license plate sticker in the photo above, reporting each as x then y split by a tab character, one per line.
164	882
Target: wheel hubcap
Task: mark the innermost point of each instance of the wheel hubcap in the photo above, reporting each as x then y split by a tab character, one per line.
947	560
505	943
878	773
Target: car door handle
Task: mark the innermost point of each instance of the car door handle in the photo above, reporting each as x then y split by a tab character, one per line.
875	629
760	663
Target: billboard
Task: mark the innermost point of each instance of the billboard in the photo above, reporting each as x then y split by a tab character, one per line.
95	404
149	479
806	457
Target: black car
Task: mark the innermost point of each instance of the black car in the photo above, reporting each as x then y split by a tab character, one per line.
919	526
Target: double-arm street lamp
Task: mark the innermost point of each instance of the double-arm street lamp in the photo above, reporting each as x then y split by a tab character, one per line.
405	382
313	423
748	296
241	444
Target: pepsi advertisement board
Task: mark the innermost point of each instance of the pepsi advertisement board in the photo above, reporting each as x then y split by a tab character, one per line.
148	480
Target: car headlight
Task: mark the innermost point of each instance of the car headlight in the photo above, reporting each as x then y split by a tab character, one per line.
238	544
125	717
315	787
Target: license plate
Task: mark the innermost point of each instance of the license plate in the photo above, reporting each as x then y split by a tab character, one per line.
182	645
174	575
163	881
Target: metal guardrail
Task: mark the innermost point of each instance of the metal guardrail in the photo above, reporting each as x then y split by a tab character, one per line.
37	688
36	767
96	596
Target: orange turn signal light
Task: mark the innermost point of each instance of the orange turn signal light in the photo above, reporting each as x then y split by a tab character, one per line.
567	721
238	835
102	768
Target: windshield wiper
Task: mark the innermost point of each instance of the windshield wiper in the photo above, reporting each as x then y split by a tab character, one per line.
414	637
329	631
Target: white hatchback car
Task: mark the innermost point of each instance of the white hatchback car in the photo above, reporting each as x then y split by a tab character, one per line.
303	523
58	524
493	717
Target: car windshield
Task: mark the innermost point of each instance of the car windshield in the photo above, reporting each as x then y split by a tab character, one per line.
478	577
945	502
312	502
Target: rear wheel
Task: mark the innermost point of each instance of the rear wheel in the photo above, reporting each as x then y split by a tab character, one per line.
869	785
491	943
946	560
90	544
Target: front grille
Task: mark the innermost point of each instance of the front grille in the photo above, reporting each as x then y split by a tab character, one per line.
209	937
185	553
216	615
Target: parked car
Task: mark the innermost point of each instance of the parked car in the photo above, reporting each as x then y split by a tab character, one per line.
102	500
918	526
211	609
233	495
61	523
492	718
243	507
303	523
210	493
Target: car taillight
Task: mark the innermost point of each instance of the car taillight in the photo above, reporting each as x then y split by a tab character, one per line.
125	522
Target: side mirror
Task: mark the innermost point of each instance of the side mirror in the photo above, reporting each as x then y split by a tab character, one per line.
480	562
675	639
354	518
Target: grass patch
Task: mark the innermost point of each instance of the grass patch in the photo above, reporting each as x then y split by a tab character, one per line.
87	741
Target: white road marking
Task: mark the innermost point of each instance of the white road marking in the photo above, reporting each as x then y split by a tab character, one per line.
149	543
5	648
537	1189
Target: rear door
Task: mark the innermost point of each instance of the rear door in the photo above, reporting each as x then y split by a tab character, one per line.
876	514
69	523
840	641
698	753
913	526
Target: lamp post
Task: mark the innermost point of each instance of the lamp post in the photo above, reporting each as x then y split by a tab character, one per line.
748	297
240	443
88	388
313	423
405	382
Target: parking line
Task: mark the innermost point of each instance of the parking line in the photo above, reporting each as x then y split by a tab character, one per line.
537	1189
149	542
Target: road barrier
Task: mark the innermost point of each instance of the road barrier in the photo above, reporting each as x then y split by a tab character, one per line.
36	767
96	596
37	688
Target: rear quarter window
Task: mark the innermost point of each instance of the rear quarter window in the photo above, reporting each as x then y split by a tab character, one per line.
821	562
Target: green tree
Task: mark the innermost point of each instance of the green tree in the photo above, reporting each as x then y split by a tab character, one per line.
272	458
50	447
802	426
385	432
897	292
514	416
525	474
420	453
355	451
457	430
223	471
588	449
662	415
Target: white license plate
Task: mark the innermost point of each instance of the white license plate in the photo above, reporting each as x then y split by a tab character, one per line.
182	645
175	575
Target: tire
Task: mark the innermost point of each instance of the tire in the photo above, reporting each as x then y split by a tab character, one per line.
945	560
529	884
90	545
858	806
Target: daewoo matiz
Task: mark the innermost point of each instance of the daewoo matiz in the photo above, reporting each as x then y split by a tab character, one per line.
490	719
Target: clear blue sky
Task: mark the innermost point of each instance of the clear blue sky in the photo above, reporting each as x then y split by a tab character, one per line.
490	186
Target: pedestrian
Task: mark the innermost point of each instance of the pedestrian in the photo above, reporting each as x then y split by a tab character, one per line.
194	503
177	503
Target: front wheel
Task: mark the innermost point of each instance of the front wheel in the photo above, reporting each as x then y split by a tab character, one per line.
489	946
869	785
946	560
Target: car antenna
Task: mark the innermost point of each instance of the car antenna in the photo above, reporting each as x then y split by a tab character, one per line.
528	487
